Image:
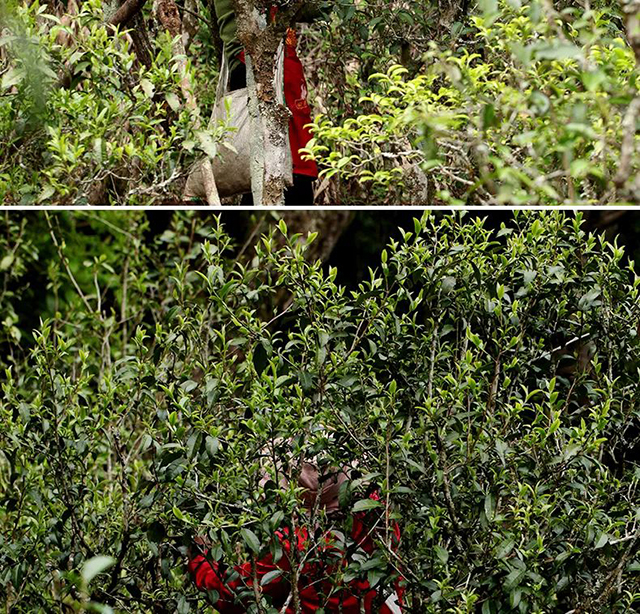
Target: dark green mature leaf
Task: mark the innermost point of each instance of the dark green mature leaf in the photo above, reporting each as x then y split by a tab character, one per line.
514	578
505	548
366	504
251	539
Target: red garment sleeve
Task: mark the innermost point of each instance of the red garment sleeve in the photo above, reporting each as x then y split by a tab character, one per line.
207	577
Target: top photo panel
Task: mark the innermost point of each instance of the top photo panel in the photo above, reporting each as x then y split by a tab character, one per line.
319	103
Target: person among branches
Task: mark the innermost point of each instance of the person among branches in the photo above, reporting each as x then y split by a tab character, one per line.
305	172
318	559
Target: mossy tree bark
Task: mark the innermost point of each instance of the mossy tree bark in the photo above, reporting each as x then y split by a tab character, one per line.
260	31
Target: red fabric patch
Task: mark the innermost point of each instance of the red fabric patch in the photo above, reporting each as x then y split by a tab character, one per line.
315	577
295	95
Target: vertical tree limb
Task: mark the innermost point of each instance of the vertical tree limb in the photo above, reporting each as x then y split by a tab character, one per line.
141	43
169	16
189	22
631	10
628	147
261	35
215	31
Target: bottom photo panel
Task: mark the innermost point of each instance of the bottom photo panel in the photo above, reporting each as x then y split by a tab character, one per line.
295	412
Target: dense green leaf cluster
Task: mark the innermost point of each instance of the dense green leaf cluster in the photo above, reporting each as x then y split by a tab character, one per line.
443	102
484	383
526	107
115	132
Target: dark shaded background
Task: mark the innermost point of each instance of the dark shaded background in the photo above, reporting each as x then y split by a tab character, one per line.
355	245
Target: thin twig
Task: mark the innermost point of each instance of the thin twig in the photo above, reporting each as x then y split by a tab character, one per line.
65	262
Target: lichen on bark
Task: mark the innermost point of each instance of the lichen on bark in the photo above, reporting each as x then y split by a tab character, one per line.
261	34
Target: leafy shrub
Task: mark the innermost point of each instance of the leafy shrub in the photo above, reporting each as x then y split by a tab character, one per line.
486	383
495	102
528	109
121	134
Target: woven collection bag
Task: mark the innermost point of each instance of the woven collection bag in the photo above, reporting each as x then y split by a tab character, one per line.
232	166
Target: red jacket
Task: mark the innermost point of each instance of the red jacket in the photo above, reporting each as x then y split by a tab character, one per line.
315	577
295	95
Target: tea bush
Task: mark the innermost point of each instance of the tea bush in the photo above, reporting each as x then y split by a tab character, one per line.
494	102
527	109
119	133
485	383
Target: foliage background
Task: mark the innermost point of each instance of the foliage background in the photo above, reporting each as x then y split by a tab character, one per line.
451	102
483	372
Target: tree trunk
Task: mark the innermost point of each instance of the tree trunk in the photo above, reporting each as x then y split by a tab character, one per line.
271	170
627	179
328	224
261	37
